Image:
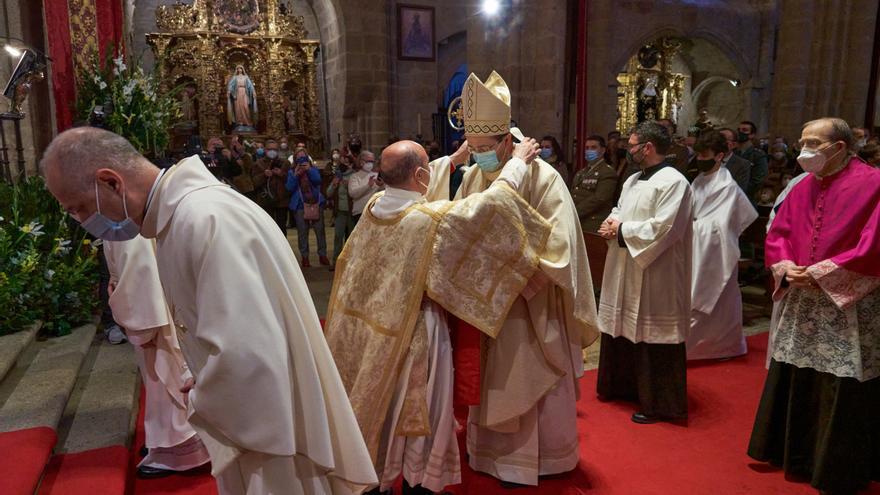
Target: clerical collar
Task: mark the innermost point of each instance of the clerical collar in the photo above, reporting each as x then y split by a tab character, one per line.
153	189
403	194
650	171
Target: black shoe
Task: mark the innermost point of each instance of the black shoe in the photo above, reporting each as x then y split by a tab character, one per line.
144	451
147	472
509	485
644	419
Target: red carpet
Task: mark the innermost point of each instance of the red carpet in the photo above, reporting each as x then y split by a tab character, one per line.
620	457
93	472
25	453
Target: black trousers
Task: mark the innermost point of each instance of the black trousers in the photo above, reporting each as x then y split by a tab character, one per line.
820	427
653	375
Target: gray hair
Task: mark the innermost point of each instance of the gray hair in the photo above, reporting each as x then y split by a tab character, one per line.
654	133
364	154
840	130
399	171
81	151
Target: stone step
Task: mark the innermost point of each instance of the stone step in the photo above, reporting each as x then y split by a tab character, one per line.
103	407
35	391
11	347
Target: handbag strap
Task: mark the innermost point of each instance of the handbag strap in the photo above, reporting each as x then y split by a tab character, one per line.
306	187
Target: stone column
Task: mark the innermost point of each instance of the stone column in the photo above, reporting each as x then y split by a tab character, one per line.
823	62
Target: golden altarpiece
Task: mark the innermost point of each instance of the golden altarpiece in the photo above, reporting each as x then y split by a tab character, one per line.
648	88
199	47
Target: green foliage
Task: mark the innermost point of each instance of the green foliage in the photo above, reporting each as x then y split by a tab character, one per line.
48	269
140	112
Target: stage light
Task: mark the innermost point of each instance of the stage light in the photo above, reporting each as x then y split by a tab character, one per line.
491	7
15	52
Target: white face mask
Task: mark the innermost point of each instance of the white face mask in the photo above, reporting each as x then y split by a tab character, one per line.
368	166
813	161
428	171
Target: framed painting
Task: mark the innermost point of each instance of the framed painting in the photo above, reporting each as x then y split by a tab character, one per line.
415	33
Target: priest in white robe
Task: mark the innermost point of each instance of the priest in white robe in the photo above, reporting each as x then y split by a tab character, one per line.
139	306
645	306
722	212
267	400
525	423
407	418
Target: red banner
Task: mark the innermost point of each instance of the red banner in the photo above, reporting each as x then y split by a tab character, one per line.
61	67
78	31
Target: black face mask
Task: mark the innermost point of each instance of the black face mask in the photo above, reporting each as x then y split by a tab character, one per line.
705	165
742	137
631	157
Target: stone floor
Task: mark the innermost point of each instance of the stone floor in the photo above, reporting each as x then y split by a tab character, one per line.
320	279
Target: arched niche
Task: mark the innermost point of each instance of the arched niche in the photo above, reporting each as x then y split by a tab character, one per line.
689	74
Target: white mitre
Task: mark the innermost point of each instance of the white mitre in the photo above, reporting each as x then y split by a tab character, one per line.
486	106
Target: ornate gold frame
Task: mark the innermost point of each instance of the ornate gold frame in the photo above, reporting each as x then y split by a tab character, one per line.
670	85
193	45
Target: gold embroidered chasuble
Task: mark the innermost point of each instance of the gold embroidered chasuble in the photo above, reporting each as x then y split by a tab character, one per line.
473	257
524	362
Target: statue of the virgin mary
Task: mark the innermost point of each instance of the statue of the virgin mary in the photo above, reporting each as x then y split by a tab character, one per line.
242	100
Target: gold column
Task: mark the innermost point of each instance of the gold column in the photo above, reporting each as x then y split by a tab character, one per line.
310	105
212	120
275	83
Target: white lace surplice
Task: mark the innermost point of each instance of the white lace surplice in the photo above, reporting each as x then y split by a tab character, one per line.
815	333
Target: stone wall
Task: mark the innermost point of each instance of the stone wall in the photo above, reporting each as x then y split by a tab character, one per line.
24	20
527	46
743	30
417	86
823	63
816	69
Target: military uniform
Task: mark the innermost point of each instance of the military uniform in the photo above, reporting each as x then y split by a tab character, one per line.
593	190
759	171
678	156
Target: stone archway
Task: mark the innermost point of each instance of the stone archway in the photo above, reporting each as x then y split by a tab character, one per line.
706	78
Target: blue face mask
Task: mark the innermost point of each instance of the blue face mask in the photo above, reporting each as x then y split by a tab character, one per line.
260	152
546	153
487	160
591	155
103	228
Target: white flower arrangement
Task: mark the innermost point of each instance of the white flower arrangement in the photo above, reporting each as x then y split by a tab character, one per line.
140	111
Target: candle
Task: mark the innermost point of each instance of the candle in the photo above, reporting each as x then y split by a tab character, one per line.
419	123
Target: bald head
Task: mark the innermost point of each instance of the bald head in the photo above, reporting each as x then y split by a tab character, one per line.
78	153
401	163
81	160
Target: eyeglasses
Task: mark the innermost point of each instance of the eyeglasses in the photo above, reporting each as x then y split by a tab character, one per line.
811	143
483	149
629	147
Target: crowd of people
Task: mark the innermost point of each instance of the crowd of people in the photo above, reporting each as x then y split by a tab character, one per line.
298	191
484	296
